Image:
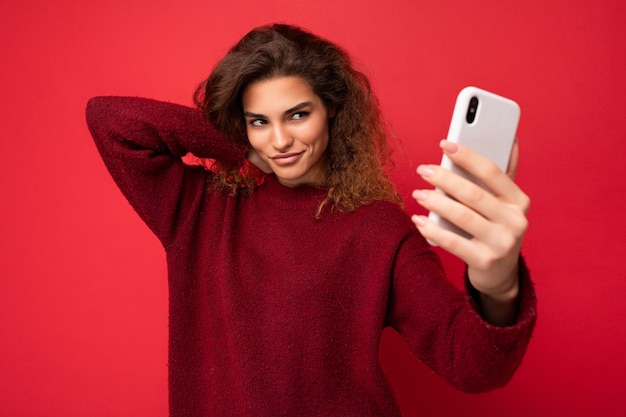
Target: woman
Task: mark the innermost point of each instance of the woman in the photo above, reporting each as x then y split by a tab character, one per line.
290	254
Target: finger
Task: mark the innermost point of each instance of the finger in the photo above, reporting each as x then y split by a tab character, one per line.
476	254
465	249
468	194
511	169
496	181
454	212
507	228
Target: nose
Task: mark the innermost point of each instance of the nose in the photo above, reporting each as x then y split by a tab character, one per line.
282	138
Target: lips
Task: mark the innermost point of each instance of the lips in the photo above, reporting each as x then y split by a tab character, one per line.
287	158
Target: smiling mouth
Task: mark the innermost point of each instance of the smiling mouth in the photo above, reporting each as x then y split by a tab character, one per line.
287	158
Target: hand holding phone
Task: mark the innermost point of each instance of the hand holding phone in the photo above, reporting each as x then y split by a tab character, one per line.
486	123
484	127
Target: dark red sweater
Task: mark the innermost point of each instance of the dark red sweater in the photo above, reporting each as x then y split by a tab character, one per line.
273	312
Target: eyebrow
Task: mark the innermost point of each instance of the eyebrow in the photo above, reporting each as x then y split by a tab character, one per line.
293	109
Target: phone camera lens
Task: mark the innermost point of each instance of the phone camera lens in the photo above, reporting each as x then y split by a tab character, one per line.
471	110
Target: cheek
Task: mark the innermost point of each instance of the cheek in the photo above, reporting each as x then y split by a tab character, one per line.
324	139
322	144
255	139
316	135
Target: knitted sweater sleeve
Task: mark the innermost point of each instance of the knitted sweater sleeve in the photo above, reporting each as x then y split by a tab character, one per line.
443	328
142	142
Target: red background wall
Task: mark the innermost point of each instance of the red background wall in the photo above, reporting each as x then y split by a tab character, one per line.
83	287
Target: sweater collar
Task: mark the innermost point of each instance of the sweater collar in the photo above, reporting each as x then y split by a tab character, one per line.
294	198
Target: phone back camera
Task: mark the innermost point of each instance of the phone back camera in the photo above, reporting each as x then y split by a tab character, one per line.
471	110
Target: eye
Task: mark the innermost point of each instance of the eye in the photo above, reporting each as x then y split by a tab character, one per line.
300	115
257	122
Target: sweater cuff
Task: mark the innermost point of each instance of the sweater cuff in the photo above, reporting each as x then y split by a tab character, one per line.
526	309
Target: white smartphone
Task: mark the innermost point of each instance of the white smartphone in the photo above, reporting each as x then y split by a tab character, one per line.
486	123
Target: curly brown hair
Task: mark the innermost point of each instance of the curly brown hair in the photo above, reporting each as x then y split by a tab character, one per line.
357	155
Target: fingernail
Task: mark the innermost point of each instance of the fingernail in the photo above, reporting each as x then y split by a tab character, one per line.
419	221
420	195
449	147
425	171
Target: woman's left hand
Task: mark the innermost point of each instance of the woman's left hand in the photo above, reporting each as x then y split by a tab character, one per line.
254	157
496	220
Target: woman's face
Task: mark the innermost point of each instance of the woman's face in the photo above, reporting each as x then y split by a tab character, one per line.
287	124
